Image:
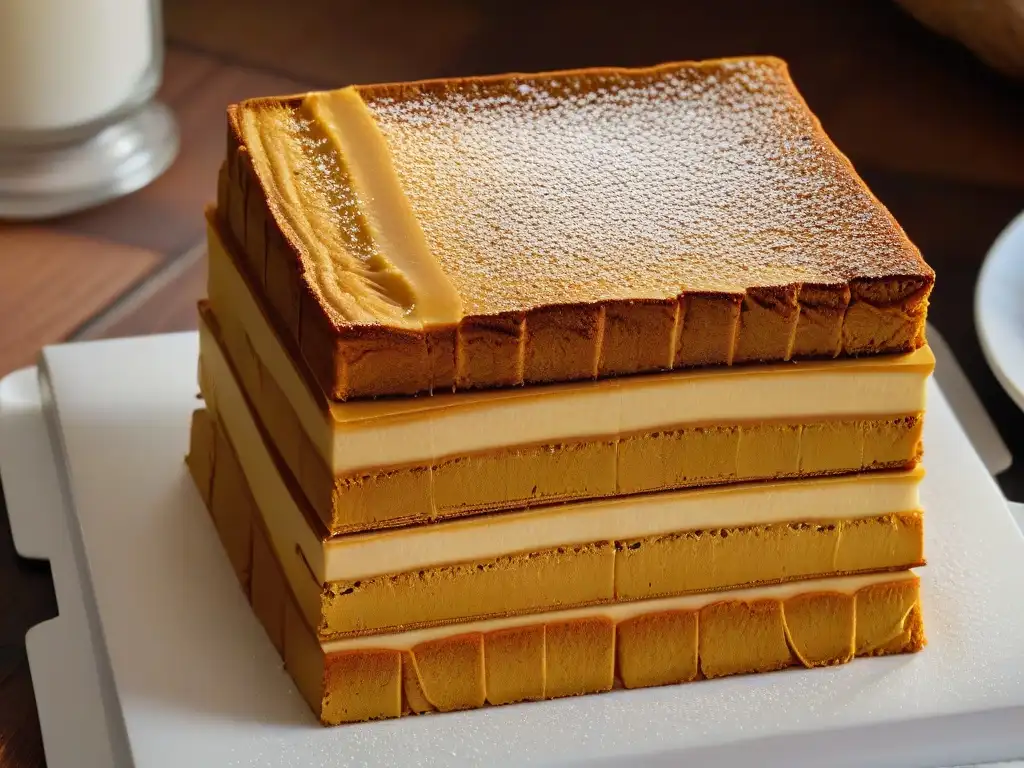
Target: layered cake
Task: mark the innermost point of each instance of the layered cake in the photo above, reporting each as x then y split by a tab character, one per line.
529	386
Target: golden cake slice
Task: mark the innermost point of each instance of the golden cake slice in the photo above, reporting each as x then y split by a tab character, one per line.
513	563
546	654
365	464
494	231
557	650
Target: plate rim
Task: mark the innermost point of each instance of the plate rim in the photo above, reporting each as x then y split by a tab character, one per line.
995	258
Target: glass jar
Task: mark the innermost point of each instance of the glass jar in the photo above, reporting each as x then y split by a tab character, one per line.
78	124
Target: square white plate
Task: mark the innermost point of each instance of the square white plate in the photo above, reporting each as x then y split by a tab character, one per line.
198	683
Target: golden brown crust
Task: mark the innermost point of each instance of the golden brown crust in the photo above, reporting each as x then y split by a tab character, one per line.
579	657
639	335
740	637
849	282
889	620
451	671
232	507
819	327
363	685
767	325
515	664
657	649
820	628
268	593
413	697
201	454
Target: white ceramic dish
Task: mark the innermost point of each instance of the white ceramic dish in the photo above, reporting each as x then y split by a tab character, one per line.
187	676
999	309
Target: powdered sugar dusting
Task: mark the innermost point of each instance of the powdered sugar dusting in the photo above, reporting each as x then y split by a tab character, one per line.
612	184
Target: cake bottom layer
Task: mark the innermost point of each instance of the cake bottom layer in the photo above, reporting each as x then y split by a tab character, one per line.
586	574
583	650
592	650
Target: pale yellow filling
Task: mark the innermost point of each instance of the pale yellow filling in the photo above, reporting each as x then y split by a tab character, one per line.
350	127
371	434
483	537
617	612
332	190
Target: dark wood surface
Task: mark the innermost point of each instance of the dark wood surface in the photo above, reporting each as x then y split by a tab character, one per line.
937	136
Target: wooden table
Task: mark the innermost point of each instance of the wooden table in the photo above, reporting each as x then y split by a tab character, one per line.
938	137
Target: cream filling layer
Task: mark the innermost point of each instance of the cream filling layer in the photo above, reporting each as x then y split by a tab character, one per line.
371	434
617	612
484	537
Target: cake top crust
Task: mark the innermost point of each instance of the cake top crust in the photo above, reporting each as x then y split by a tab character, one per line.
416	204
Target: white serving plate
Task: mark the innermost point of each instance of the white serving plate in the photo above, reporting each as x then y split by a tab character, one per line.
999	308
187	676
